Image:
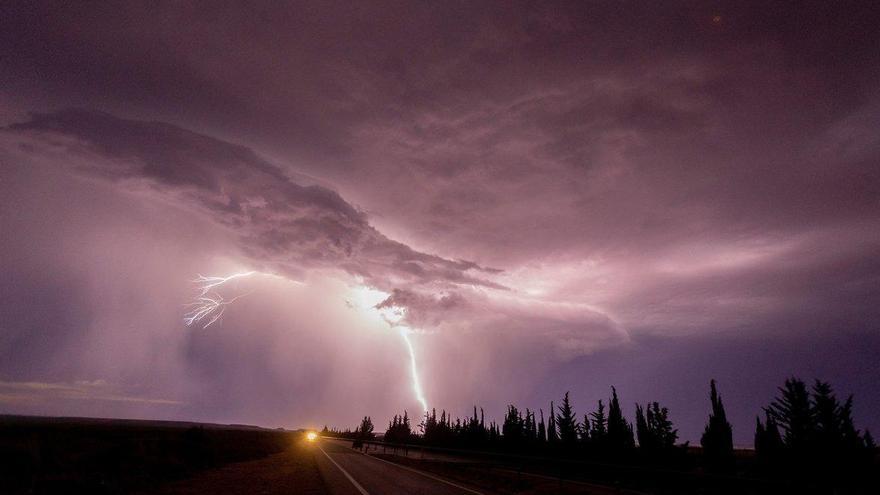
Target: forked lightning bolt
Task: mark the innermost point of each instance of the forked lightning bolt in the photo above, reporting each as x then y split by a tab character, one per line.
210	305
206	284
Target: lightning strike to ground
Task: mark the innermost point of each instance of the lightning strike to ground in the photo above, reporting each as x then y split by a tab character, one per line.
417	386
393	316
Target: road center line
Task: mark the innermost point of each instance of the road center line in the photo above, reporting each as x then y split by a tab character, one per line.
353	482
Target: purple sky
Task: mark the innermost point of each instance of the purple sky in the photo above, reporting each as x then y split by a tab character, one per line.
540	198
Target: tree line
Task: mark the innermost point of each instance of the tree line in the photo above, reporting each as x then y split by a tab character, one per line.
802	428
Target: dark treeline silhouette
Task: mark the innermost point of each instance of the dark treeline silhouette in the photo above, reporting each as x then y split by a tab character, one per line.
811	431
805	436
363	432
399	430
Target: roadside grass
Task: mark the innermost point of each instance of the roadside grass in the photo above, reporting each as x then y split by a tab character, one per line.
499	480
72	455
292	471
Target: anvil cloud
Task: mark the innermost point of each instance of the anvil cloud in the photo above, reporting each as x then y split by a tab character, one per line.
562	196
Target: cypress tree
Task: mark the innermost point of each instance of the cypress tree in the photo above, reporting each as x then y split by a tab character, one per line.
584	429
643	434
364	431
653	428
542	429
399	430
567	423
552	437
793	413
598	425
869	442
620	432
849	436
661	427
717	439
834	430
768	442
513	426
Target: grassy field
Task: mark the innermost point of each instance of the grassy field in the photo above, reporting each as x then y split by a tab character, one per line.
72	455
290	471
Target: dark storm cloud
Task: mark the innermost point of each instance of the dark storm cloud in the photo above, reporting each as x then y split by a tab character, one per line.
282	224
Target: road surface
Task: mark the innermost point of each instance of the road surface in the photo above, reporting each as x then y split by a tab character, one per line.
349	472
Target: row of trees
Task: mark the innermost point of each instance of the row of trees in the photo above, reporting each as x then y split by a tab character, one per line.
800	426
810	429
603	429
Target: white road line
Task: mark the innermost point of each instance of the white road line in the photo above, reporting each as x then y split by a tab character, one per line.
353	482
427	475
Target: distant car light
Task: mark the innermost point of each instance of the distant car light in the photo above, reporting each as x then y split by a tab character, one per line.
311	436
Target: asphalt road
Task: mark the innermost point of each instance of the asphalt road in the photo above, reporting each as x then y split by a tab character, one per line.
349	472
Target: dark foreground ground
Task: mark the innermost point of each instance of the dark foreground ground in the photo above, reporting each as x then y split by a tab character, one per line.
94	456
72	456
292	471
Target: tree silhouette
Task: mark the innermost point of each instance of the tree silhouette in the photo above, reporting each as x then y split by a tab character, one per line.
399	430
620	432
768	442
438	431
475	429
530	427
850	439
552	437
653	428
870	445
584	429
542	429
566	423
364	432
642	433
820	445
598	426
826	413
793	413
806	437
658	421
493	432
512	430
717	439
